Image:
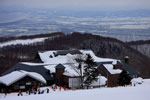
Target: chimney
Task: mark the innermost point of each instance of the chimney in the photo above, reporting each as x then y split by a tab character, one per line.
126	59
117	65
59	74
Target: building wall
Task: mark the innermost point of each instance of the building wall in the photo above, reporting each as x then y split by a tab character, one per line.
112	78
59	76
67	82
117	67
104	70
25	83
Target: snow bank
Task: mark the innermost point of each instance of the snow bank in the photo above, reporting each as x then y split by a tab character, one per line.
138	80
101	81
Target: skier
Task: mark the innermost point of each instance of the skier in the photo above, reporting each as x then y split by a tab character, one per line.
64	87
59	88
47	90
5	92
38	89
20	93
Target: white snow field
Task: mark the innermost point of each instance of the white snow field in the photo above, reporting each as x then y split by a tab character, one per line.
138	92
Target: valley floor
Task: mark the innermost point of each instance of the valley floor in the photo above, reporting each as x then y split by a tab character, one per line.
139	92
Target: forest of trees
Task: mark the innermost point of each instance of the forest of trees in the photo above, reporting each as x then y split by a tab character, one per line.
142	46
102	47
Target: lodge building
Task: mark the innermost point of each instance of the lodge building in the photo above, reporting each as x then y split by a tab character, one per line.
55	69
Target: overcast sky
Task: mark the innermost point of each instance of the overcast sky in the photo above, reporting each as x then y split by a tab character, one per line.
78	4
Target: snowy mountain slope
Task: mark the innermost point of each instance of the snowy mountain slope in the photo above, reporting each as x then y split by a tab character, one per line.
139	92
23	42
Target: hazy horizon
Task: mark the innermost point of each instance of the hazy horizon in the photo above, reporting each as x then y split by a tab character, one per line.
115	18
78	4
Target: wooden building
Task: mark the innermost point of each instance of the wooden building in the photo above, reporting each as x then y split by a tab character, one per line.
21	80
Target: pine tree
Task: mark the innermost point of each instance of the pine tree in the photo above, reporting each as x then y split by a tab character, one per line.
124	78
89	70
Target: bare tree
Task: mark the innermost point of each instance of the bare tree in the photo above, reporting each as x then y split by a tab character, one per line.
77	63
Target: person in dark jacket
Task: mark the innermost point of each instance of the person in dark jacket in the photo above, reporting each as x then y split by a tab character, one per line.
47	90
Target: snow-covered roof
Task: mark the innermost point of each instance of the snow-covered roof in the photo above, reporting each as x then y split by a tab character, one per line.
96	59
109	67
49	57
69	71
53	58
114	62
17	75
32	64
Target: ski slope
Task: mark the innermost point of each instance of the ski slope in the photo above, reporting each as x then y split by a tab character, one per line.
139	92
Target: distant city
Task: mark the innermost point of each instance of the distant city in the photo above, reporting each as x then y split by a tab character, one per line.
123	25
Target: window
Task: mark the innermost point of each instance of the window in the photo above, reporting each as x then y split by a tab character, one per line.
52	75
22	87
16	86
28	83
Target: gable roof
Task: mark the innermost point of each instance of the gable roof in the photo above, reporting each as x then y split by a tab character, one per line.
65	52
17	75
129	69
110	69
125	66
117	63
60	66
40	69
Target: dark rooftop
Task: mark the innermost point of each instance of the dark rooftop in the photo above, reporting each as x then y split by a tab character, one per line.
60	66
38	69
64	52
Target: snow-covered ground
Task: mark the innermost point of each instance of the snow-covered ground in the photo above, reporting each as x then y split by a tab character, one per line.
23	42
138	92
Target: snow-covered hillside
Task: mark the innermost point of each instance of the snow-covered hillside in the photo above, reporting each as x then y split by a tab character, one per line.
23	42
139	92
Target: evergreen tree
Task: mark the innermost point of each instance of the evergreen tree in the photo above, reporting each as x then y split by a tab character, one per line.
90	70
124	78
